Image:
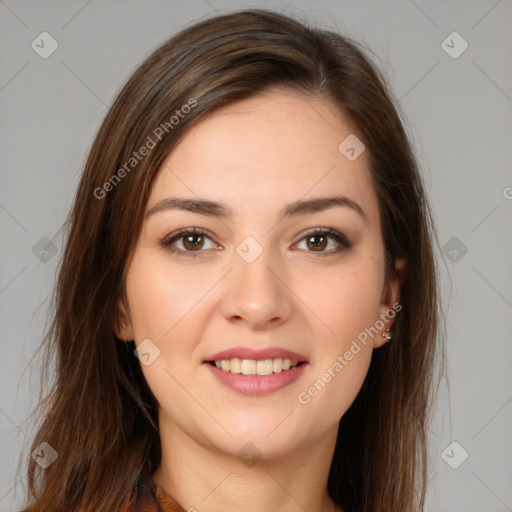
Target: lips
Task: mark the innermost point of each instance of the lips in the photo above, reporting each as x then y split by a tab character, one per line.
256	371
258	355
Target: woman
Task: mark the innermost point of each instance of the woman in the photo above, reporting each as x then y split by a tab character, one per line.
247	309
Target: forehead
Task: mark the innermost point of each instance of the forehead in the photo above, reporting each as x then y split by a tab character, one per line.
275	148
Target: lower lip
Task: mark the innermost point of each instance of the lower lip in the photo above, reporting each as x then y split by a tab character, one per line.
258	384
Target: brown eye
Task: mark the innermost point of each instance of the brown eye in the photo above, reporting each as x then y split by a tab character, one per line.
188	241
193	242
317	240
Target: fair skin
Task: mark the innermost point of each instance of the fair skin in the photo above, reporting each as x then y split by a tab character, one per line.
256	156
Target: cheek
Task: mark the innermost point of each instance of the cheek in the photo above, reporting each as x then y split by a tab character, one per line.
333	390
161	298
165	305
170	307
343	355
346	303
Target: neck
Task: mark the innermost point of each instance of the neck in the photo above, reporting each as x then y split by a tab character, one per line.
202	478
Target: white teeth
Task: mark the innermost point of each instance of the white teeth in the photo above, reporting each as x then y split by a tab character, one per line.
264	367
255	367
248	366
235	365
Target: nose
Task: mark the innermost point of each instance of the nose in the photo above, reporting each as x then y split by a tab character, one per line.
257	293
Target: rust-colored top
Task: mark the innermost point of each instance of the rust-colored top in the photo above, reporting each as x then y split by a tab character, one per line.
151	498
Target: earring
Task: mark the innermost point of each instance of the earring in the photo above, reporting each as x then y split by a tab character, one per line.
386	334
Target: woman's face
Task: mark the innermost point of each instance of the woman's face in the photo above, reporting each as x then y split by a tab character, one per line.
260	284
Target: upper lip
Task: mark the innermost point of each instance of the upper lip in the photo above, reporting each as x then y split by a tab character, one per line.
251	353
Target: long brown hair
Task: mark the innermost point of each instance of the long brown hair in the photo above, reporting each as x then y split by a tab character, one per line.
100	415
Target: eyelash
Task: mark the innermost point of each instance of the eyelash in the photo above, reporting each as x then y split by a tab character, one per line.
341	239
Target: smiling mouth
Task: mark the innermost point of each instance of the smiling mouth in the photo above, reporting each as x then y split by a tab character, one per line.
255	366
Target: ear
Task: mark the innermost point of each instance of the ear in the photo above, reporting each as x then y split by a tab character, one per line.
390	301
123	328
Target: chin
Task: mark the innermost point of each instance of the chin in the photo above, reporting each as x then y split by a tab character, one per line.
258	435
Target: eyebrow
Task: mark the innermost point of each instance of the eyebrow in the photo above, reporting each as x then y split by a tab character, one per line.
214	209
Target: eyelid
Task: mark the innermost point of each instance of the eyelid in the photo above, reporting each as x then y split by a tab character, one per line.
170	239
343	243
341	239
333	233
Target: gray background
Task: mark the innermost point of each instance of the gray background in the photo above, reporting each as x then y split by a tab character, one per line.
459	115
